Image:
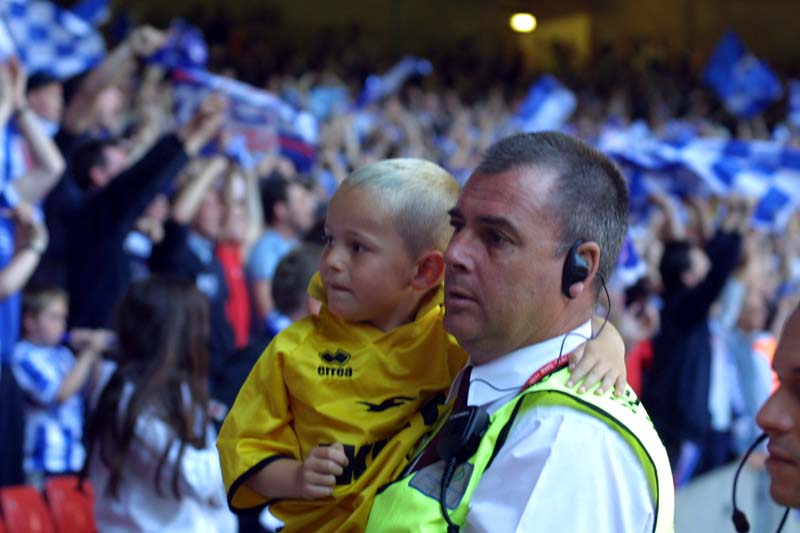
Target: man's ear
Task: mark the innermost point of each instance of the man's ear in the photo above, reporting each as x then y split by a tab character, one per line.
590	253
429	270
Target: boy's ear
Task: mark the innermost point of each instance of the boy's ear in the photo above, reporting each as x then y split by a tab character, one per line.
429	270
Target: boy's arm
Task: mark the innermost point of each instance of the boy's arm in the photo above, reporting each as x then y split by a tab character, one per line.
309	479
600	361
259	430
77	377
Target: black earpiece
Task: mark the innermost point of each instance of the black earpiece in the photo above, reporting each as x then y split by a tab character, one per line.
576	269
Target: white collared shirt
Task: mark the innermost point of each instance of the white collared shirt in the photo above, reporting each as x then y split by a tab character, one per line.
559	469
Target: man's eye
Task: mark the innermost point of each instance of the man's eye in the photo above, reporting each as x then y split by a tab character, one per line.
356	247
456	224
494	237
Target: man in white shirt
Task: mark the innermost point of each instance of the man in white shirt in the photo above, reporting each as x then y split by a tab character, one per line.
537	228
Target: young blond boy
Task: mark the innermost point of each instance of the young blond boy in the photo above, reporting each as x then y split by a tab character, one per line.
338	401
52	380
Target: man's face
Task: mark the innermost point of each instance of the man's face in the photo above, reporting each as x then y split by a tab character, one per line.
502	278
208	220
47	101
300	207
699	267
116	160
780	419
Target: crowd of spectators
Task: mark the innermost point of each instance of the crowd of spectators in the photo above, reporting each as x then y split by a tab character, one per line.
101	190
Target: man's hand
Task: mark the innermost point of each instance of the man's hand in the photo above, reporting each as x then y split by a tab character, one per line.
146	40
204	125
31	233
316	476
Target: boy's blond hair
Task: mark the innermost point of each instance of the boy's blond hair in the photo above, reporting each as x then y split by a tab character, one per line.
416	194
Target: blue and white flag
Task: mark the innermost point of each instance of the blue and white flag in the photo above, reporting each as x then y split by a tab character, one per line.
261	117
95	12
185	47
776	207
379	86
745	84
547	106
7	47
765	170
50	39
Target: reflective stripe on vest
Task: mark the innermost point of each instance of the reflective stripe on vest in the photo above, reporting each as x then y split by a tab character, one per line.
412	503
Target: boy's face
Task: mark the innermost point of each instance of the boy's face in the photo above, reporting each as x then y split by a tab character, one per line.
365	267
48	326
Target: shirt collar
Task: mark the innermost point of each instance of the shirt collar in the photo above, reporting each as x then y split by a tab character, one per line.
510	372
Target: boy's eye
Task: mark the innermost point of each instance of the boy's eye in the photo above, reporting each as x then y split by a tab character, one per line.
356	247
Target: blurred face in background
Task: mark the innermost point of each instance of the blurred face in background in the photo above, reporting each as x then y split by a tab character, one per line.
208	220
47	326
47	101
108	107
300	207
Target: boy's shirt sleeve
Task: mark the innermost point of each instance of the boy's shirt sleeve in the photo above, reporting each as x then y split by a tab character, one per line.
37	373
258	428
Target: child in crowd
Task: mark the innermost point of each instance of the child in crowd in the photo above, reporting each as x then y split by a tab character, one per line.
151	456
338	401
55	384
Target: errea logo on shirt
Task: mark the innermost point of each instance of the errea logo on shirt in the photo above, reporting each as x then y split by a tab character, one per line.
335	364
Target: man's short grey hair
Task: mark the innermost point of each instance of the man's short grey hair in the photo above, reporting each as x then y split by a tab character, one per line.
416	194
589	198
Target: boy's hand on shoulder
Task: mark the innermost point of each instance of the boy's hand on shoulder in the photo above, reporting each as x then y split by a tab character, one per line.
316	476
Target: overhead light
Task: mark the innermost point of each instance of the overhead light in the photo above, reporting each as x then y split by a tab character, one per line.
522	22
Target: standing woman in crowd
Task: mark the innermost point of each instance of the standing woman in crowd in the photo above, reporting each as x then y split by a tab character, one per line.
151	455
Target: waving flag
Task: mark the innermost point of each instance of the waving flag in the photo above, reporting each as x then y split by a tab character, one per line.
378	86
95	12
51	39
267	123
745	84
185	47
547	106
7	48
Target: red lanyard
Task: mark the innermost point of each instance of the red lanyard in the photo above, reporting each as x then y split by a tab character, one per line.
547	369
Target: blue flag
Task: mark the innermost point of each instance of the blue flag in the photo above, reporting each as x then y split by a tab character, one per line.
379	86
95	12
547	106
745	84
185	47
267	123
50	39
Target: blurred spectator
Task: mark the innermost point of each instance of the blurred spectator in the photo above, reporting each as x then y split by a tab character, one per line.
676	392
187	251
240	228
97	269
152	460
55	384
288	213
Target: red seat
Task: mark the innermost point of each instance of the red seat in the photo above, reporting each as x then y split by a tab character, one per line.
71	506
24	510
